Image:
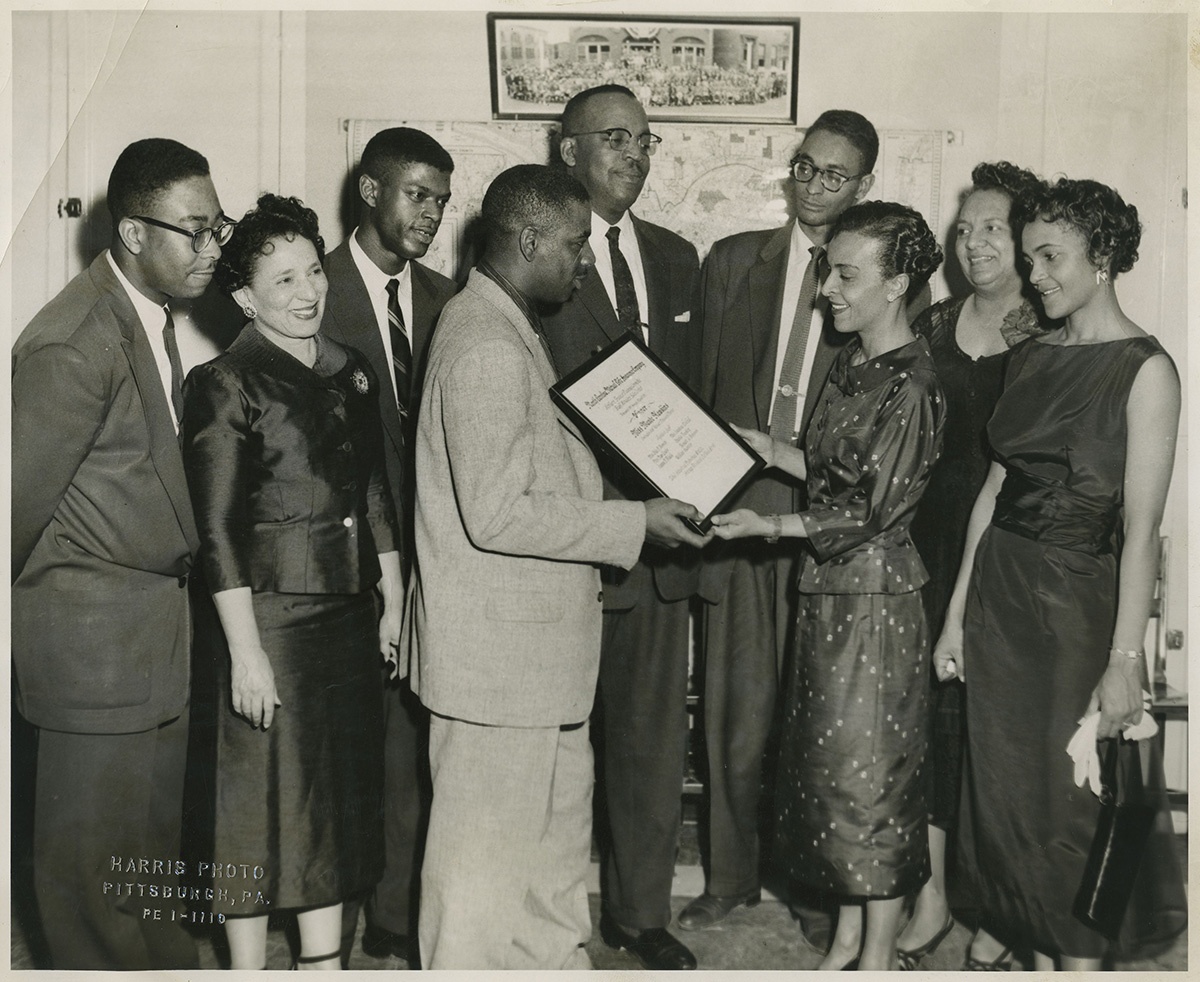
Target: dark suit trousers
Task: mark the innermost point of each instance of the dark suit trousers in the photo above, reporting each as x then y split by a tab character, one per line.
746	637
406	796
100	797
644	722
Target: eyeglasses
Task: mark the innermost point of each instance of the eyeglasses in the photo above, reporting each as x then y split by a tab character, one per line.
200	237
619	138
803	171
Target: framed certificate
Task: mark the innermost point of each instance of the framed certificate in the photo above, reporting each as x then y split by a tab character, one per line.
639	411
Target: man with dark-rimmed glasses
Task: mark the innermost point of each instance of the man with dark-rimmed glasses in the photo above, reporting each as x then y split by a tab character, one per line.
766	355
103	539
644	283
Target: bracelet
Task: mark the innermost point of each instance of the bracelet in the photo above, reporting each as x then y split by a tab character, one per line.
776	528
1128	654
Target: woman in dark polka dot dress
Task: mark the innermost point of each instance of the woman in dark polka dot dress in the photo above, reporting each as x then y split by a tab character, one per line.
851	797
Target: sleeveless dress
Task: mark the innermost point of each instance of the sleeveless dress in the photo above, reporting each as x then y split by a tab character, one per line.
1039	620
850	793
971	386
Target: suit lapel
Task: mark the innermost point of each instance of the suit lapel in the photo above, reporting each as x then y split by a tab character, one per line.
658	289
355	316
594	299
765	283
163	440
425	311
529	338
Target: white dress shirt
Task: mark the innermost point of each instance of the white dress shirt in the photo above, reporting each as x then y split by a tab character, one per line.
629	249
798	257
154	318
376	281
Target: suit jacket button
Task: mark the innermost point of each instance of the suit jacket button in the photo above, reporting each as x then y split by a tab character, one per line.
600	596
182	582
348	522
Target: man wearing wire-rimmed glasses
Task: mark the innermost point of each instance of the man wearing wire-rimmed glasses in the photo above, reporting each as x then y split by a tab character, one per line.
645	283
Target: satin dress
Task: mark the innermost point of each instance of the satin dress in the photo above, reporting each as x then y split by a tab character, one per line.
286	474
1039	620
971	387
850	794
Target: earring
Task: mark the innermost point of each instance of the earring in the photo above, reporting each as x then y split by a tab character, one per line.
1101	276
249	311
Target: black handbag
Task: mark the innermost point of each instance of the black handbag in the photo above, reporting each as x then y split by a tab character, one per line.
1126	818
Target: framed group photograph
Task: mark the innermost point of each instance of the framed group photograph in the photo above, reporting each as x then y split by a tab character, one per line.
711	69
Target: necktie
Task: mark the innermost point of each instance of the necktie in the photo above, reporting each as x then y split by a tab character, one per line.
787	396
172	347
627	302
401	349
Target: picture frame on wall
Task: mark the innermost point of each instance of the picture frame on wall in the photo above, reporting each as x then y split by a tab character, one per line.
683	69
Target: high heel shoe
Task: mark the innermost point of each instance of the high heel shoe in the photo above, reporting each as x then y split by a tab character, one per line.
910	958
1001	963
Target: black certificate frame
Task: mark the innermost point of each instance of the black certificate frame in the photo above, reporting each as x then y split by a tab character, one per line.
681	392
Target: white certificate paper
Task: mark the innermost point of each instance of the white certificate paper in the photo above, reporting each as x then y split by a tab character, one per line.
632	401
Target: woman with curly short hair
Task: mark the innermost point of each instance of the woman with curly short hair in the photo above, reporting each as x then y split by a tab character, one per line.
1049	611
850	795
968	337
282	447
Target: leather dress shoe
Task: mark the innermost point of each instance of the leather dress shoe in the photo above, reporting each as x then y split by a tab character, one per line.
707	909
656	948
378	942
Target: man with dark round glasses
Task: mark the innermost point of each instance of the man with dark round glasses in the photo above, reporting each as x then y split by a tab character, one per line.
103	539
644	283
767	354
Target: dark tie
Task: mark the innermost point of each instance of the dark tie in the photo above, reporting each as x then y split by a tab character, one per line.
401	350
787	396
627	302
172	347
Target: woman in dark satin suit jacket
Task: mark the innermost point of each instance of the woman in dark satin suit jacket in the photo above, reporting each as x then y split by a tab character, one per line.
284	462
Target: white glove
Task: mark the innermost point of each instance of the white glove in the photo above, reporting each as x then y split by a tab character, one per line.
1082	746
1082	749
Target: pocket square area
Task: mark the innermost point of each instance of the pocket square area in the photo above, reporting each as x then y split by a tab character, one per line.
684	317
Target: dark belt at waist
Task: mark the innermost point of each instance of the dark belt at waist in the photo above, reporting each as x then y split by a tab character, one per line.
1048	512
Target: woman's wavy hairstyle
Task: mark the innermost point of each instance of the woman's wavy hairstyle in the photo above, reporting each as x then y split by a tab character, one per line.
1108	225
906	243
272	217
1016	182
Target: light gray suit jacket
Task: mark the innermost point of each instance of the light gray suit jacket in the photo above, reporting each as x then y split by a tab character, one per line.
509	522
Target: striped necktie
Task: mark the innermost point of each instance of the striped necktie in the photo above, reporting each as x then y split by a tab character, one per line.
787	396
401	349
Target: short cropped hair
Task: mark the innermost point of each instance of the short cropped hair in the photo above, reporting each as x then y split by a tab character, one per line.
854	127
145	170
529	195
272	217
400	145
1109	226
573	110
906	243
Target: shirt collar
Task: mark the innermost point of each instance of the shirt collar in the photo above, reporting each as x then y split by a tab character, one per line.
152	315
374	278
600	227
